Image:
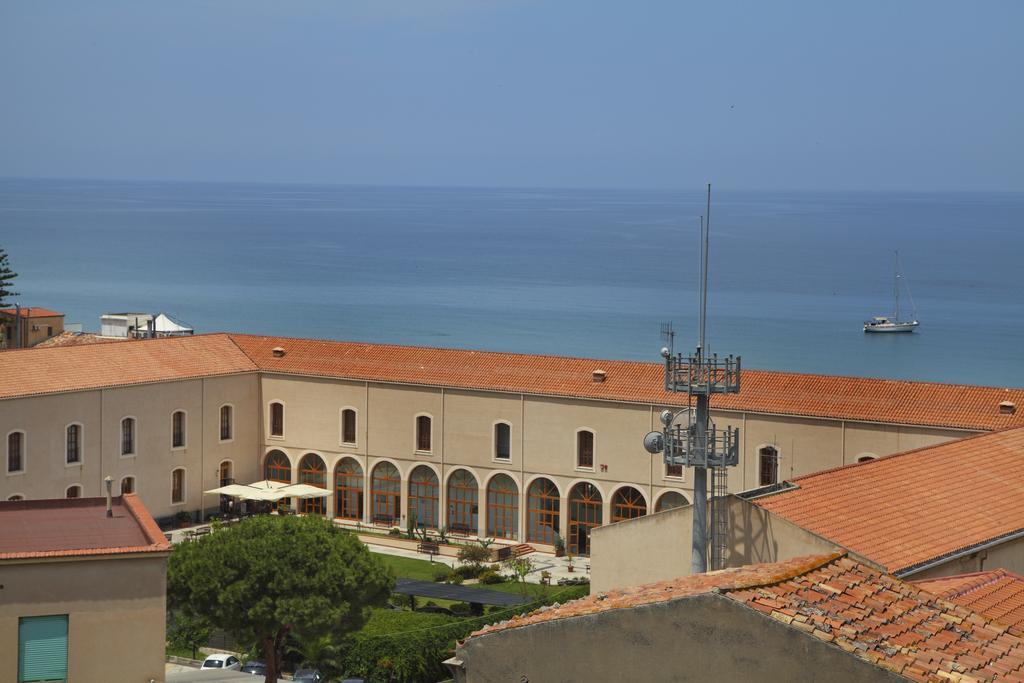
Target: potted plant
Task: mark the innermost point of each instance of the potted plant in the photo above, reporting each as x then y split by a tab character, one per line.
570	568
183	518
559	546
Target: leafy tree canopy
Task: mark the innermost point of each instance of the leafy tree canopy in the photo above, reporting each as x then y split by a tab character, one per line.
6	279
272	575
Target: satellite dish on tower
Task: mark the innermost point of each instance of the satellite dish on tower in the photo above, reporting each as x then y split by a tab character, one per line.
654	442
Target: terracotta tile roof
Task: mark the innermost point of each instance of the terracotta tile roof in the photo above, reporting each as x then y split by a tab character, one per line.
78	339
783	393
904	510
998	594
39	371
867	613
69	527
33	312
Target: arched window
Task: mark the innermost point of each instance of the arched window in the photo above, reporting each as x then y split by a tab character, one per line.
348	427
225	472
127	485
584	514
73	491
15	452
628	503
276	419
502	441
128	436
768	463
423	435
463	496
73	444
178	429
670	500
423	497
277	467
585	449
313	472
227	426
866	457
178	486
386	494
502	507
348	489
15	498
543	502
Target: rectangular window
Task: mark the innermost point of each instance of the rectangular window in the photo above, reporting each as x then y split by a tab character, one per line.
277	419
585	449
43	648
127	436
15	457
225	423
423	433
674	471
178	429
74	453
348	426
502	441
178	486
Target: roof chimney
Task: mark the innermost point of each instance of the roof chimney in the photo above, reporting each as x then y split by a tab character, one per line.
278	351
109	482
1007	408
599	375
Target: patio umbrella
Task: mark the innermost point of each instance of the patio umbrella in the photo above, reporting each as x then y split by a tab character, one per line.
236	490
303	491
268	485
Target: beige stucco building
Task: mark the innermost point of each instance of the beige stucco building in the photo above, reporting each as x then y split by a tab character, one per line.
37	325
81	593
502	445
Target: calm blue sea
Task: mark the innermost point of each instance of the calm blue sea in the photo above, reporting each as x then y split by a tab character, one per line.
577	272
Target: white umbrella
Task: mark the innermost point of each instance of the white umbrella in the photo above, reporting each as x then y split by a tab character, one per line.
303	491
236	490
268	485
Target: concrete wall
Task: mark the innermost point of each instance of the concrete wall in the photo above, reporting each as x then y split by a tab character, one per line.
657	547
33	330
543	440
44	420
1009	556
708	637
116	614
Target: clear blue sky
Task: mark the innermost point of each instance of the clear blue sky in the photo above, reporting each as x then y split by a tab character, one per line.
756	95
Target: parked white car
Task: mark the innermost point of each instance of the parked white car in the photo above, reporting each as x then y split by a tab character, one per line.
221	662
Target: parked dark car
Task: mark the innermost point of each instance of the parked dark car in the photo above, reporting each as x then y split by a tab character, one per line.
256	667
308	676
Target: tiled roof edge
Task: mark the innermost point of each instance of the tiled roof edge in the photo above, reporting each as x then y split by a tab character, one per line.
904	573
145	521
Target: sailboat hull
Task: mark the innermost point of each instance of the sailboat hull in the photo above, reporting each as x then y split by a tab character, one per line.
890	328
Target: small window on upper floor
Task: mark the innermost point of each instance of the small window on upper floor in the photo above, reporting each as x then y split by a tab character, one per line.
277	419
178	486
348	426
423	427
73	492
178	427
128	436
16	452
585	449
226	425
73	453
674	471
502	441
768	464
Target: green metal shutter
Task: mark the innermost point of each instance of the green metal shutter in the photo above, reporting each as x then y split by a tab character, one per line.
43	648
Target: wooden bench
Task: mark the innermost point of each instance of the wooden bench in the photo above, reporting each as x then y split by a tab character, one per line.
429	548
461	530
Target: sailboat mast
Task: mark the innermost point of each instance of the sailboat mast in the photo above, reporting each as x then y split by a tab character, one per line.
896	288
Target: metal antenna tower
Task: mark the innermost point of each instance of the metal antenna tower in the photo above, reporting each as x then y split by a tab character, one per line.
698	443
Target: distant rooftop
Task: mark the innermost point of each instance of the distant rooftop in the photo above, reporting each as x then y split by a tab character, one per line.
867	613
906	510
68	527
77	339
33	312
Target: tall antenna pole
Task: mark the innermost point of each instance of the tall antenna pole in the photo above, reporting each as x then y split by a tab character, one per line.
704	272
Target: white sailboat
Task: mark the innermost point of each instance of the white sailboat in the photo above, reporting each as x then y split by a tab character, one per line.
894	324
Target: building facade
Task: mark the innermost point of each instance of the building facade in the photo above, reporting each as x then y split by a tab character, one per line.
37	325
520	448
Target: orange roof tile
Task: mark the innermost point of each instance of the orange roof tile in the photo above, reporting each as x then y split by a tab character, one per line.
869	614
72	527
782	393
91	366
78	339
998	594
33	312
904	510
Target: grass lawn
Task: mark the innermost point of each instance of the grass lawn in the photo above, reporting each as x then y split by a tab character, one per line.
408	568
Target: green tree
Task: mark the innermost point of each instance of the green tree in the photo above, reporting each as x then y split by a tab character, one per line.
6	279
520	568
268	576
188	632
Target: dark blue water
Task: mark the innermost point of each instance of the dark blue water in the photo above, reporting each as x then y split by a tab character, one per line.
578	272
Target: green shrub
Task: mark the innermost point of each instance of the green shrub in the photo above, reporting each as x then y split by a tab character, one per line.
468	571
395	531
441	573
490	576
455	578
474	554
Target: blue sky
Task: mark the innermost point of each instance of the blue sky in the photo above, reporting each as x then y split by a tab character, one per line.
783	95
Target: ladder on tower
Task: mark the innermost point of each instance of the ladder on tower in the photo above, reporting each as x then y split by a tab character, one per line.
719	516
